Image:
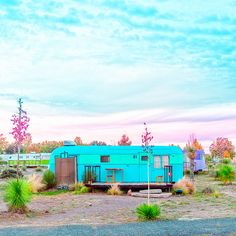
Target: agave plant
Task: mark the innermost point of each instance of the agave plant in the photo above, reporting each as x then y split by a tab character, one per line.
17	195
148	212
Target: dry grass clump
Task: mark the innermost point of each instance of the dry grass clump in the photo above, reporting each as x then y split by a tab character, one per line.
186	186
36	183
114	190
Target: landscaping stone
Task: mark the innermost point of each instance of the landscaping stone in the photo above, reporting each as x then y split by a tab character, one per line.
157	195
151	191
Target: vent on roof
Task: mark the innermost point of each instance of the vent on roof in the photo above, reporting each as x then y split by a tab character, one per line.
69	143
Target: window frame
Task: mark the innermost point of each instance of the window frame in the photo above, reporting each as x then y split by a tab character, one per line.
159	166
162	161
105	161
144	158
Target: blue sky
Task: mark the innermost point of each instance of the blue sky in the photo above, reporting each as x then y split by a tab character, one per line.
98	69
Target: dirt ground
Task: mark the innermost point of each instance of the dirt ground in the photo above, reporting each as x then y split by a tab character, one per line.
100	208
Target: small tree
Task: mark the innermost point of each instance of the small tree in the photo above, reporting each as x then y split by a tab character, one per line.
3	143
78	140
222	147
20	125
146	139
124	141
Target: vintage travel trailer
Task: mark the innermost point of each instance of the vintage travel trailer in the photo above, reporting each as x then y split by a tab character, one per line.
199	161
111	164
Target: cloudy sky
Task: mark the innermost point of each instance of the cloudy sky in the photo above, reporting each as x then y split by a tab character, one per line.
98	69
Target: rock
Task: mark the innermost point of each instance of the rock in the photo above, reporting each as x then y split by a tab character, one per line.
129	192
158	195
151	191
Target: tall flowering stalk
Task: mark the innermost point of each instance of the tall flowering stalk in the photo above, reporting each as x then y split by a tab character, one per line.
191	151
20	125
146	139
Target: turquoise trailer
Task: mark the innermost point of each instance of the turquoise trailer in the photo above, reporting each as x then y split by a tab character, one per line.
110	164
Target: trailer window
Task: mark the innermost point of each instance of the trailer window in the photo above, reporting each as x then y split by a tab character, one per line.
165	161
157	162
144	158
105	159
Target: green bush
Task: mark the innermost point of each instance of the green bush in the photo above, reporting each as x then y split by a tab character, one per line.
80	188
216	174
49	179
23	168
148	212
226	173
17	195
226	161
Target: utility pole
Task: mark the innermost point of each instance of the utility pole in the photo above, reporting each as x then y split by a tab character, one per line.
146	139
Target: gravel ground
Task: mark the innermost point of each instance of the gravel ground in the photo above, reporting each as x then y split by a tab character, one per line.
220	226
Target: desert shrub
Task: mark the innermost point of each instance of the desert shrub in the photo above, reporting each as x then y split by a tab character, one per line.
186	186
148	212
38	169
114	190
80	188
84	189
17	194
10	173
49	179
208	190
226	173
36	183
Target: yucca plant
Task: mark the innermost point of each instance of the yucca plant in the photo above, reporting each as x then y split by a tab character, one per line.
17	194
49	179
148	212
226	173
